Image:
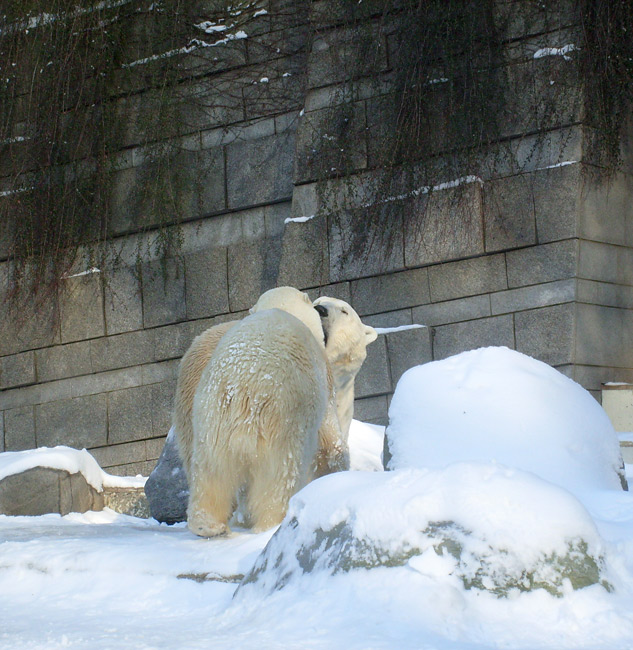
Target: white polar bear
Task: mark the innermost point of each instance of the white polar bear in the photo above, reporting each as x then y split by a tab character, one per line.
197	356
262	409
346	341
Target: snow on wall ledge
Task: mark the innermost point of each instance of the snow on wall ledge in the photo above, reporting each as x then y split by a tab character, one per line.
64	458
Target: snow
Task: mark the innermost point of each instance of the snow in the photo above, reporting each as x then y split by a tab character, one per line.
299	219
517	486
64	458
556	51
399	328
498	404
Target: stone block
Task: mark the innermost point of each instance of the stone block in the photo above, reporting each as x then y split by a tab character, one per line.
389	319
538	295
545	151
81	308
335	55
2	448
19	428
130	414
373	377
155	373
260	171
604	336
154	447
94	384
605	293
467	278
163	292
358	250
213	104
372	409
330	141
118	455
304	253
509	213
200	183
172	341
61	361
123	303
162	404
605	263
79	422
444	225
606	210
206	283
281	91
547	334
17	370
246	263
556	196
459	337
406	349
122	350
452	311
23	326
41	490
545	263
341	290
391	292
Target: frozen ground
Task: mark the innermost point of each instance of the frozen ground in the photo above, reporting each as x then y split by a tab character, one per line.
102	580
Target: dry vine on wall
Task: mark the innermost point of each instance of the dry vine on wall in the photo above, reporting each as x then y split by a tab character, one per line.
84	85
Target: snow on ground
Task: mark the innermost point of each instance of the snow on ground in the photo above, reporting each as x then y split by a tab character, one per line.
101	580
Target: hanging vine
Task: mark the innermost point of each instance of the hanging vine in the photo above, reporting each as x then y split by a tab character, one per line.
429	92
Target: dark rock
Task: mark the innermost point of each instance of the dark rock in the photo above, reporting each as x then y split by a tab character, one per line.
166	488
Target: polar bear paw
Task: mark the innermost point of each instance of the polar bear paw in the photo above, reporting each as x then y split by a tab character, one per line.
205	525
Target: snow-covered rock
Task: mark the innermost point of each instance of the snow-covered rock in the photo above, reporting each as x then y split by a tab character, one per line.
63	480
472	526
495	404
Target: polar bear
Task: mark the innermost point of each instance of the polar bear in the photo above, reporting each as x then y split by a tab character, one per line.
197	356
346	341
262	408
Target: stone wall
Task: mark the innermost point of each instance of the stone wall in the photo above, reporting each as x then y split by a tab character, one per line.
540	259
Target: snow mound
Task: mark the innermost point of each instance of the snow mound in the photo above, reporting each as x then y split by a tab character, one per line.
495	404
472	526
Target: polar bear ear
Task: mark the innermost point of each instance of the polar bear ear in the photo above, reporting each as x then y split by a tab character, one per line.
370	334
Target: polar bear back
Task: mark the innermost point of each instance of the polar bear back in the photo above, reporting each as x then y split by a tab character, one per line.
264	390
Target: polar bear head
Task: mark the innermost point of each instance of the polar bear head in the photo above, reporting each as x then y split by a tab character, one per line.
346	337
294	302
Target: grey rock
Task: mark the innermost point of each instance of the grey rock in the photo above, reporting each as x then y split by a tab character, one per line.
127	501
166	488
295	554
41	490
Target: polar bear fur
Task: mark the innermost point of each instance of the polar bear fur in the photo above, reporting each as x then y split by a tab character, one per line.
197	356
189	372
262	409
346	341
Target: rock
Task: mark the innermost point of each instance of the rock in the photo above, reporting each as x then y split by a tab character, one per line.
166	488
41	490
127	501
470	526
